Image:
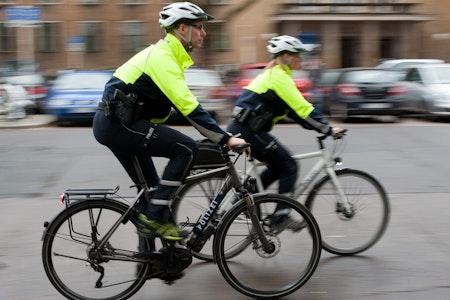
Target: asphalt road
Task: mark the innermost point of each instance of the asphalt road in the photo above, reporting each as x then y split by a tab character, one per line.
412	260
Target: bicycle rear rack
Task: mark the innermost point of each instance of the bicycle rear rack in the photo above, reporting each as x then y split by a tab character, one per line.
83	194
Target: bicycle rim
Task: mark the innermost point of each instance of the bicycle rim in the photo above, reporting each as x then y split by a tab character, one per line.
348	235
257	273
68	241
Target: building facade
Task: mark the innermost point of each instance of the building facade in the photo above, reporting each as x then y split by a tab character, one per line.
102	34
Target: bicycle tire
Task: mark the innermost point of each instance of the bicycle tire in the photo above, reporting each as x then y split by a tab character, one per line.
68	240
192	200
349	235
256	273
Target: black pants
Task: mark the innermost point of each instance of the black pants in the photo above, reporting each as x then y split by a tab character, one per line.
145	140
265	148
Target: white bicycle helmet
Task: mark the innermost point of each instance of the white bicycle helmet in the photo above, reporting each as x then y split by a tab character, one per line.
181	10
285	43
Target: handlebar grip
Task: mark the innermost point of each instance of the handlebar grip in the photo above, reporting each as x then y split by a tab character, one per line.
240	148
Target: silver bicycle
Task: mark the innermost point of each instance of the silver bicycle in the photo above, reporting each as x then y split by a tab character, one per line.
351	206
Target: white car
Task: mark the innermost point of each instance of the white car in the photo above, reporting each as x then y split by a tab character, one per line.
208	87
428	90
14	101
398	64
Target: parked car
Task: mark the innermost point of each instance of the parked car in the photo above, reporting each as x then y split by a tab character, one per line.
428	90
400	65
324	86
75	95
210	91
247	72
34	83
366	92
15	103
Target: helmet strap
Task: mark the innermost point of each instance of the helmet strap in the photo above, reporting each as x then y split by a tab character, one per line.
187	40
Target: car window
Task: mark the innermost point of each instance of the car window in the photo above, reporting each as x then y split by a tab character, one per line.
329	77
413	75
81	81
368	76
441	75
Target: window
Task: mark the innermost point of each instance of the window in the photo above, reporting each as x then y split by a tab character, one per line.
93	35
47	2
89	2
133	35
48	35
132	2
218	37
7	38
413	76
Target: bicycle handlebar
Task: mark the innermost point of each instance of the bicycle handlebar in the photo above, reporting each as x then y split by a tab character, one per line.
324	136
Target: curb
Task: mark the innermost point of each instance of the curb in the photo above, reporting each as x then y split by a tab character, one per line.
30	121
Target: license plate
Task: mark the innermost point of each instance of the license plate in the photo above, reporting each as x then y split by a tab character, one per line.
375	105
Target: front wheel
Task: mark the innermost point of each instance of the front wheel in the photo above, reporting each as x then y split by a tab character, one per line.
348	233
78	268
276	271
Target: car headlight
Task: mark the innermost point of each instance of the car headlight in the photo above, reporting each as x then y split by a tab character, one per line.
59	102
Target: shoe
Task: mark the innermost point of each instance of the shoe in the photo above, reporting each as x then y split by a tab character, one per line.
287	222
165	230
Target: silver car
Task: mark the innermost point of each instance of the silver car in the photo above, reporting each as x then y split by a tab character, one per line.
210	91
428	90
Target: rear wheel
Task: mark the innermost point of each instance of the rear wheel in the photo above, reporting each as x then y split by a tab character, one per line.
78	268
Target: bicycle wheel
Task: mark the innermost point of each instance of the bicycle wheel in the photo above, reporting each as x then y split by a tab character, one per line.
268	274
74	264
350	234
192	201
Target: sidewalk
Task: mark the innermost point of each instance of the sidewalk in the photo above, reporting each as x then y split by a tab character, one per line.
29	121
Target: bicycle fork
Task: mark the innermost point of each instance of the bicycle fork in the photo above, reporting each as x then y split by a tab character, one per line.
267	246
342	205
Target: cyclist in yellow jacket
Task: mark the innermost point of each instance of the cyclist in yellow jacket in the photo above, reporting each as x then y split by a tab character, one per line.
271	96
138	99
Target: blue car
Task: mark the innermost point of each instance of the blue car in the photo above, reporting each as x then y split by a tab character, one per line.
74	95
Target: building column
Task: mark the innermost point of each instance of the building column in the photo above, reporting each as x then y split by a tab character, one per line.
407	40
330	38
370	44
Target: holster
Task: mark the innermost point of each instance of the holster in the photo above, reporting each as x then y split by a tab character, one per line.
256	120
127	108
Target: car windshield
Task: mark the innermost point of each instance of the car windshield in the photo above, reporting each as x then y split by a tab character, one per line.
81	81
205	78
369	76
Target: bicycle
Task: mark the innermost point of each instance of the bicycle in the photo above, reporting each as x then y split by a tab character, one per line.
88	248
351	206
